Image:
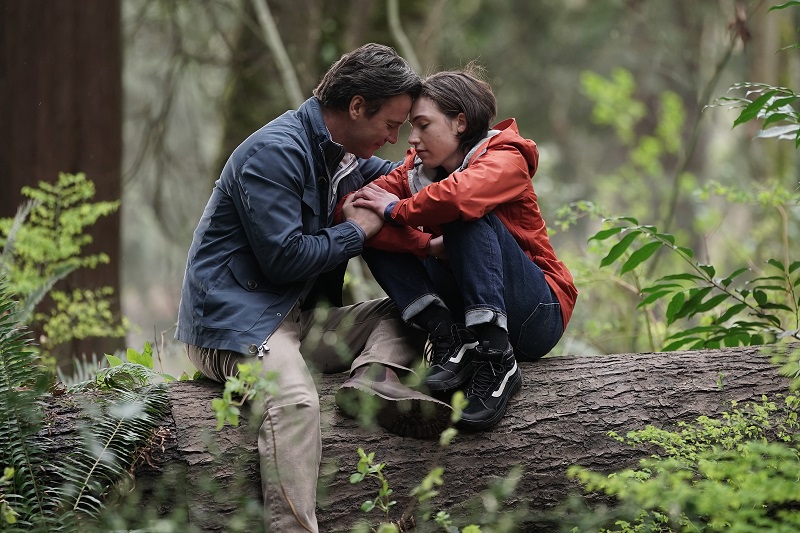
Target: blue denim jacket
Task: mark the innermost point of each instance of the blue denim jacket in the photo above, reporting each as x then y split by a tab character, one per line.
266	235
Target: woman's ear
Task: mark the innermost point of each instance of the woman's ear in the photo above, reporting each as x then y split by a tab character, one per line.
461	123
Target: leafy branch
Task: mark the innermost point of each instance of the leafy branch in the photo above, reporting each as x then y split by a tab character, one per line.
726	315
368	468
247	385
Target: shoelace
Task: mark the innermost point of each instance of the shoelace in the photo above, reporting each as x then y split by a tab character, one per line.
485	377
438	349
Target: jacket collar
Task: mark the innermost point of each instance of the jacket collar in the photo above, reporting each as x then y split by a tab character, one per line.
327	154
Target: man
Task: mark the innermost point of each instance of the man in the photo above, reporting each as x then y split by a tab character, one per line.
265	256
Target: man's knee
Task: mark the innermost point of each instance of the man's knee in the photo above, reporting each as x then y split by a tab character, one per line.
304	399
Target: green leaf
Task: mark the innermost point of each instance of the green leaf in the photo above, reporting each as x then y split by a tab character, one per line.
730	312
774	288
368	506
674	306
113	360
677	345
666	237
709	270
774	117
652	298
639	256
751	111
695	298
606	233
711	303
727	281
697	330
780	102
760	297
140	358
777	264
731	341
785	5
618	249
683	277
780	307
669	288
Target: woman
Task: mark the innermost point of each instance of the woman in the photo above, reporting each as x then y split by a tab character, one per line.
465	252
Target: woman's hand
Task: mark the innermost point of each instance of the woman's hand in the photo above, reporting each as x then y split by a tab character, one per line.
436	248
373	197
368	220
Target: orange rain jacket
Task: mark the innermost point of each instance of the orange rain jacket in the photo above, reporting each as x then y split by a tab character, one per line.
497	178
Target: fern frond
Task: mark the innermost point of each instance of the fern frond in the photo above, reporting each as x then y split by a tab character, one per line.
23	383
127	376
84	372
6	256
25	311
118	430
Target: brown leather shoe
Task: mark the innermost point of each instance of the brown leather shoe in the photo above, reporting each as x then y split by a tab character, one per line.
374	393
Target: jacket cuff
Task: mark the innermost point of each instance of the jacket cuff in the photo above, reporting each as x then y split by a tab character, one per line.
359	229
387	213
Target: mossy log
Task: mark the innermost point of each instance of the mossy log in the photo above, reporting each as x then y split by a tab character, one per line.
562	417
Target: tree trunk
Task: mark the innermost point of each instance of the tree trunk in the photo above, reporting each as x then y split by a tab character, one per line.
61	103
562	417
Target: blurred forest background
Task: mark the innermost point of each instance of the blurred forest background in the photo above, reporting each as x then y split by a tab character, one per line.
148	98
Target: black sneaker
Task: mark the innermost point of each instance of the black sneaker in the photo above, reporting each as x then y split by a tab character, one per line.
497	378
450	359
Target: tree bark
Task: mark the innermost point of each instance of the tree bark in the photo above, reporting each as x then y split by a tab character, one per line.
61	107
561	418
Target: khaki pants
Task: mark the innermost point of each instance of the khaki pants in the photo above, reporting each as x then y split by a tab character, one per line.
289	439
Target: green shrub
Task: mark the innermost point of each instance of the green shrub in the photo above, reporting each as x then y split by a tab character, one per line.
44	244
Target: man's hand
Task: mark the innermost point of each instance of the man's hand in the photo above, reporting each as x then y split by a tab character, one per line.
368	220
373	197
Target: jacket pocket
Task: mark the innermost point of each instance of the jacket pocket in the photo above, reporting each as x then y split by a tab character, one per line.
239	298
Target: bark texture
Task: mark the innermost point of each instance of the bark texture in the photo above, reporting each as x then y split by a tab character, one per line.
561	418
61	109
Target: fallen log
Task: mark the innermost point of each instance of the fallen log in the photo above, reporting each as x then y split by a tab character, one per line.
561	418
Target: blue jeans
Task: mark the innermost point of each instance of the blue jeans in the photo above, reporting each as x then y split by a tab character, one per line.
487	280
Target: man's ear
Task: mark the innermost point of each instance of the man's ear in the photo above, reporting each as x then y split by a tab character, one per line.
357	106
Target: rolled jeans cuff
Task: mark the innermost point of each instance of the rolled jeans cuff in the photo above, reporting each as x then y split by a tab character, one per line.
477	317
416	306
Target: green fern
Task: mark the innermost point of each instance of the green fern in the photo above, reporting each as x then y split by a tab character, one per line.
118	428
22	385
69	495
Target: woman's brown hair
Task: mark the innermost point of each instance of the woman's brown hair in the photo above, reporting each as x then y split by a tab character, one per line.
463	91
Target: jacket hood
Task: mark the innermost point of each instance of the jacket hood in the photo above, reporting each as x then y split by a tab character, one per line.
503	133
507	133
